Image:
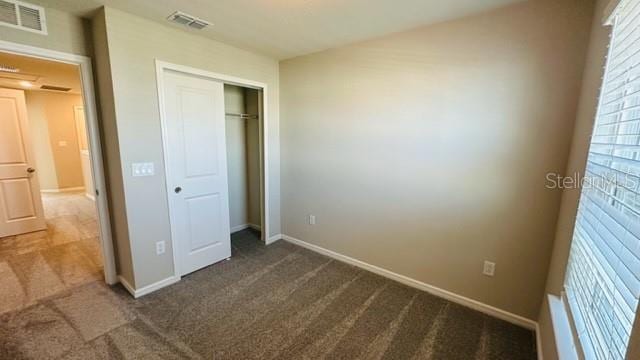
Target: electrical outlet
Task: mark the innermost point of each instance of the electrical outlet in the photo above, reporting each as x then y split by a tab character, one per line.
489	268
160	248
312	219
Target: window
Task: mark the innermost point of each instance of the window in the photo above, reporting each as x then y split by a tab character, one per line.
603	275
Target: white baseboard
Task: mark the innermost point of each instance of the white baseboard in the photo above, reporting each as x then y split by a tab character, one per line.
453	297
127	286
274	238
63	190
90	197
245	226
136	293
239	228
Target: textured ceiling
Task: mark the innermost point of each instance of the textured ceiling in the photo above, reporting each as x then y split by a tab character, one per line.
288	28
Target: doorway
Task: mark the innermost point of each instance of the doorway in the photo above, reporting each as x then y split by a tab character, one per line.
54	224
216	187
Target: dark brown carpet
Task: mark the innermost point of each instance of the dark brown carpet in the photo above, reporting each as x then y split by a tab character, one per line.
275	302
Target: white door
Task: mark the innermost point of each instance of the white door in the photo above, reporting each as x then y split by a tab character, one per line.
20	202
83	146
196	169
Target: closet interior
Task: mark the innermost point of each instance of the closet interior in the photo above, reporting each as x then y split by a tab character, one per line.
243	156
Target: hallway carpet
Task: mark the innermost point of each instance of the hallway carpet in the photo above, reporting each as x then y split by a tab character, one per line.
43	263
274	302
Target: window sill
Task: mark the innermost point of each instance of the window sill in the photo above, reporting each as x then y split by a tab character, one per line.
562	330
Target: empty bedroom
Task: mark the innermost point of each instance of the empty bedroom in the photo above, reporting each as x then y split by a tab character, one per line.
305	179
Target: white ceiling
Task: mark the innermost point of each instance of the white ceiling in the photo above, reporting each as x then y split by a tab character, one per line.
288	28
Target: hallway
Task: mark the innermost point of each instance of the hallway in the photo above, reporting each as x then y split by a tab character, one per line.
40	264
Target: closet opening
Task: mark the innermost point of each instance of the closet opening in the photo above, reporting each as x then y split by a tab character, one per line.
243	141
215	142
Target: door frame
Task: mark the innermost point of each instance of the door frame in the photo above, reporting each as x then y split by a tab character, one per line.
77	108
161	68
93	132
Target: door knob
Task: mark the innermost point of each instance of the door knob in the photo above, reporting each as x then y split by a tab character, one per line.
177	189
31	170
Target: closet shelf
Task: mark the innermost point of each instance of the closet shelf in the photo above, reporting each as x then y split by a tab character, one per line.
243	116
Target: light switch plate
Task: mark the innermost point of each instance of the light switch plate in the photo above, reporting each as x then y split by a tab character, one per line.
142	169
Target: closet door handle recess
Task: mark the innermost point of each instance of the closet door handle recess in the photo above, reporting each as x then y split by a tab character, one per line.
177	189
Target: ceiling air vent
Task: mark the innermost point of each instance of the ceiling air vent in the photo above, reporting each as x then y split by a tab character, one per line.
54	88
8	68
188	20
8	13
24	16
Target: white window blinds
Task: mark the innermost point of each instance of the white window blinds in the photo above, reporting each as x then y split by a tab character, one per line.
603	276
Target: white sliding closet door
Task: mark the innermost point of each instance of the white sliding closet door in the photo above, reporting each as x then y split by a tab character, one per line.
194	132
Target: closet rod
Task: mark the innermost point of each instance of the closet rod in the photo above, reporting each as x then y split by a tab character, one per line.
244	116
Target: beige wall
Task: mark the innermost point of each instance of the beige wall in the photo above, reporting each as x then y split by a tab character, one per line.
58	165
41	143
133	44
111	152
66	33
425	152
